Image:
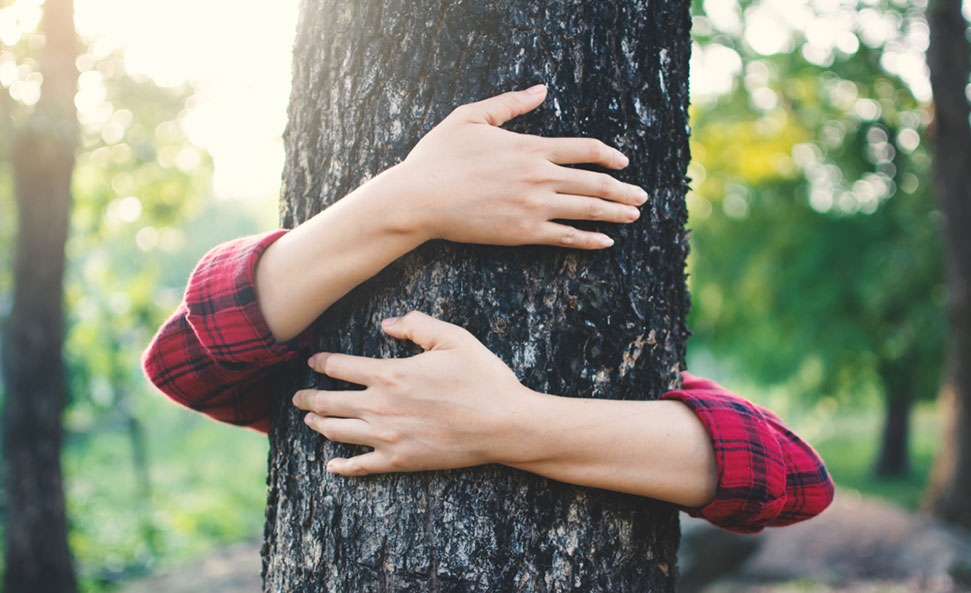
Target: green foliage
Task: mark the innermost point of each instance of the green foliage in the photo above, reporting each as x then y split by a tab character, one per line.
817	258
207	488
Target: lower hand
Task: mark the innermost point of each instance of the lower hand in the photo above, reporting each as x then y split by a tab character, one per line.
448	407
470	181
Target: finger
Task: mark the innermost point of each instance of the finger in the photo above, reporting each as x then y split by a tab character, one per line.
342	430
572	151
361	465
353	369
502	108
586	208
562	235
599	185
329	403
426	331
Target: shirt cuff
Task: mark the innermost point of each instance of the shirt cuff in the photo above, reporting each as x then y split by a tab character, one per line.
223	311
751	490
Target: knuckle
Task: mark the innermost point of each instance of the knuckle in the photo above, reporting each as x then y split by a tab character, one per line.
535	173
411	317
569	236
606	184
595	209
391	437
531	203
460	112
594	150
331	365
326	428
398	461
381	407
523	229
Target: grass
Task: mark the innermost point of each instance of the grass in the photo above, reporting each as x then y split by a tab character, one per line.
208	489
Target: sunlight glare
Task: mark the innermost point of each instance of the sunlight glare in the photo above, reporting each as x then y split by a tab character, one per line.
236	53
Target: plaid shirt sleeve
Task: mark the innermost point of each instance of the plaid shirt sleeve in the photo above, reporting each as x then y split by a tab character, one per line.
767	476
216	354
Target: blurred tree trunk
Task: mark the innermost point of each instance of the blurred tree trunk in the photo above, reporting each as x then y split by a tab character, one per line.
37	556
949	58
894	459
369	79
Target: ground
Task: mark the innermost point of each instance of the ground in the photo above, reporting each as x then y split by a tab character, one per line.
859	545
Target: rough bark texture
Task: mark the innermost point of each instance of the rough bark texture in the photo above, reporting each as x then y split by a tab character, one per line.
369	79
37	556
949	58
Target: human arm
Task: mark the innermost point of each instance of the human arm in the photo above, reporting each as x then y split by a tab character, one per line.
457	405
468	180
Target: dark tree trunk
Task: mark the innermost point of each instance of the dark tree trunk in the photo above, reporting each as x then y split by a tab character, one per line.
37	555
949	58
893	459
369	79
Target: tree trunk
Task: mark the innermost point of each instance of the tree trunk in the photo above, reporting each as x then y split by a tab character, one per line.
369	79
949	58
37	555
893	460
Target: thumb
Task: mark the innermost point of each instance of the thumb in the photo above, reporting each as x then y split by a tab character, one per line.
498	110
427	332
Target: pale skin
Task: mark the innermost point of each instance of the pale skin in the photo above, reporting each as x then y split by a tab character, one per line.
457	404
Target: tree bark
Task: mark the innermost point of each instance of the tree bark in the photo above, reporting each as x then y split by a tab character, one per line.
949	58
369	79
37	554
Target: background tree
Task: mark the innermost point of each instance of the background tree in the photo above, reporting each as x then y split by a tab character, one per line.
369	79
37	555
817	261
137	225
949	58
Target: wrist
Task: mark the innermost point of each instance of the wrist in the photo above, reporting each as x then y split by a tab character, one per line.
400	203
527	434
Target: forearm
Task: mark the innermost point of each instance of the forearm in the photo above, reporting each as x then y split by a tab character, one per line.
314	265
657	449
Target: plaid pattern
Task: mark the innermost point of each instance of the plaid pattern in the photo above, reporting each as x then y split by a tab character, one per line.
216	355
767	475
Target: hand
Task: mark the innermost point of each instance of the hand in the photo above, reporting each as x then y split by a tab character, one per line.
448	407
468	180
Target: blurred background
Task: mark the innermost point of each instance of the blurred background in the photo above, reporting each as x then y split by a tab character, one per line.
817	267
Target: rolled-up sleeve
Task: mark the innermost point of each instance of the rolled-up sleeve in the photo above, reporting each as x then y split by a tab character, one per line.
216	353
767	475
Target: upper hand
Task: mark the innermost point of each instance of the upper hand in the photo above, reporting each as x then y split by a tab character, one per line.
448	407
468	180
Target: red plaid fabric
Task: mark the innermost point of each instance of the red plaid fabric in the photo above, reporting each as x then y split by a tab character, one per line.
216	355
767	475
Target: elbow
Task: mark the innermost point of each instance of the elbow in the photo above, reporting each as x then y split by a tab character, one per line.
746	508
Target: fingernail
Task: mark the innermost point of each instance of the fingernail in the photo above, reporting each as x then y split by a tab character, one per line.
310	361
624	161
536	89
296	399
606	241
389	321
330	467
633	213
308	419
